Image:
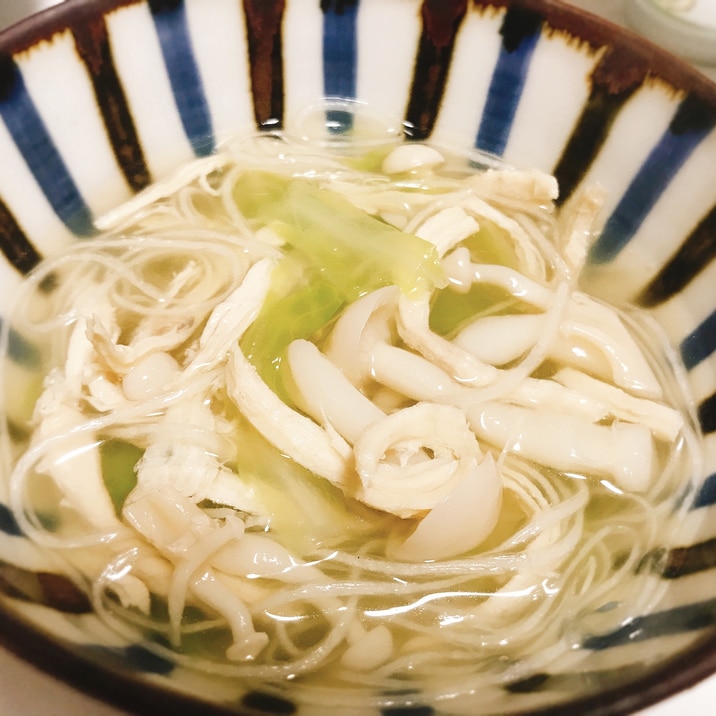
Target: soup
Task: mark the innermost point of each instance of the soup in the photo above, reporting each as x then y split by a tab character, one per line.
341	415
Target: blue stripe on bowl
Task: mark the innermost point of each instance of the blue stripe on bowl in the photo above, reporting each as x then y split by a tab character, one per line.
685	618
340	55
520	33
42	157
340	48
608	677
691	123
172	29
706	495
700	343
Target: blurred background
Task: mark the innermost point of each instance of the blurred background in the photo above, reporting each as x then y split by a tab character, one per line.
13	10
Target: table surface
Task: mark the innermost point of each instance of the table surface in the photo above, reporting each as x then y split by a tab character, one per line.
26	691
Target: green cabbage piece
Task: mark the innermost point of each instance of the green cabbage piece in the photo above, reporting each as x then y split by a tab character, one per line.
335	253
350	249
293	309
118	459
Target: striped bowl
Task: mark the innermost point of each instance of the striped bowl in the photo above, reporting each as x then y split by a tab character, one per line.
100	98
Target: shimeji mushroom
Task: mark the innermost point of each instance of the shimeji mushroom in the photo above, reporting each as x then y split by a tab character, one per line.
187	537
417	459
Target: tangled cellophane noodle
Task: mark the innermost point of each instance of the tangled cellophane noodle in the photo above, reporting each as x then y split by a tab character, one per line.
451	620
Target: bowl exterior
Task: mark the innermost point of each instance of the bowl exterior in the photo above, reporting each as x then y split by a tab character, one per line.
98	99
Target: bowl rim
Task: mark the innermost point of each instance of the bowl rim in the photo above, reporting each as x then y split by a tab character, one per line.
118	688
679	34
140	696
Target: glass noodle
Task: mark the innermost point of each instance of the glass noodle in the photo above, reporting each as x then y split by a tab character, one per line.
340	412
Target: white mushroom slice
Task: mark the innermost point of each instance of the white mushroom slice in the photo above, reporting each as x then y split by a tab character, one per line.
447	229
289	431
414	329
457	268
663	420
149	376
462	521
411	375
409	157
255	555
622	451
248	643
409	461
369	650
515	283
499	340
365	322
324	393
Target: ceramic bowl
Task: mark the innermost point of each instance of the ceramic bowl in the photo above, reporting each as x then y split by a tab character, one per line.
98	99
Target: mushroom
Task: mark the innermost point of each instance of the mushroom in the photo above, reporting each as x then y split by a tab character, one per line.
323	392
410	460
621	451
365	322
414	329
461	521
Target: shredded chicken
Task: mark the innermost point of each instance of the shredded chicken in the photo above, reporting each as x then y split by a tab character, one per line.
298	436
